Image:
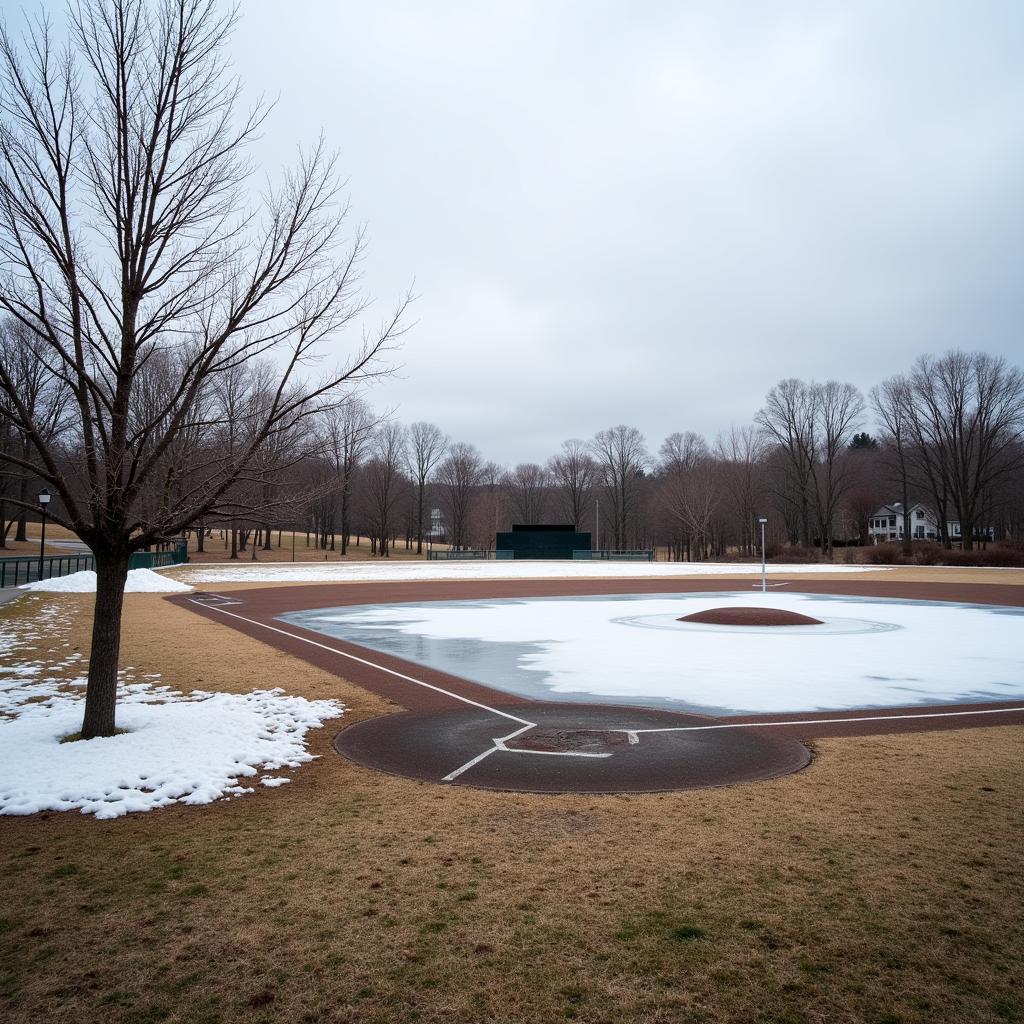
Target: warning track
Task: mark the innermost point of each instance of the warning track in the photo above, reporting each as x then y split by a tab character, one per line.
459	732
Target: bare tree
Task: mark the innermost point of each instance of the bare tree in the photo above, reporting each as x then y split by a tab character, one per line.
787	423
891	404
124	233
690	489
573	473
44	398
966	415
490	508
740	454
622	458
427	445
810	427
345	430
837	412
384	481
457	476
527	490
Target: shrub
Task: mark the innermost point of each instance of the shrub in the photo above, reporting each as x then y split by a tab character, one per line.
884	554
1002	556
927	552
794	553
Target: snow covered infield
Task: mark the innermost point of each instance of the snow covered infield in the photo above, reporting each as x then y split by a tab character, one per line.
177	748
868	653
367	572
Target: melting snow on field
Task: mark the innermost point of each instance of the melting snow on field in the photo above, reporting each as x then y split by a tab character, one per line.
358	572
140	581
178	748
632	650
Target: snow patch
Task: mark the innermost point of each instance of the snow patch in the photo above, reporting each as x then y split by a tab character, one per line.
140	581
178	748
355	572
189	749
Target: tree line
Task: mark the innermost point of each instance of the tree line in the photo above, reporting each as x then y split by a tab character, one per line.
948	433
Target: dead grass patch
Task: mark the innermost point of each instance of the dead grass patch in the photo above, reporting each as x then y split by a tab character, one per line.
217	549
882	884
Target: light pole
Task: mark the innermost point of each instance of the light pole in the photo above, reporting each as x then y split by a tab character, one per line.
764	581
44	500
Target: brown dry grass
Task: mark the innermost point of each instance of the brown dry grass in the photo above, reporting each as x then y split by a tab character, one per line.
217	550
883	884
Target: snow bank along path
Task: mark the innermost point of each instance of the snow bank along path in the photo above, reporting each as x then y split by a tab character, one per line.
140	581
178	748
357	572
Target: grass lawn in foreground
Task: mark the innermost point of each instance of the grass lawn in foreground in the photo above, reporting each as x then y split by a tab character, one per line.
882	884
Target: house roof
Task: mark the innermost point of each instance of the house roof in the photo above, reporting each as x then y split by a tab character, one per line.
896	509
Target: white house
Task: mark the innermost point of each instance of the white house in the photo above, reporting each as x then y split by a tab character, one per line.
887	524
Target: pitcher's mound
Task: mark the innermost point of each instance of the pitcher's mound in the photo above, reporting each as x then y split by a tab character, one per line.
750	617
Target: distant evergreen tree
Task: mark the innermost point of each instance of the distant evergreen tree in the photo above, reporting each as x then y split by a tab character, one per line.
863	440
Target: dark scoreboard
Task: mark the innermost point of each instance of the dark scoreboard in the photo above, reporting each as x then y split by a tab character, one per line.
543	541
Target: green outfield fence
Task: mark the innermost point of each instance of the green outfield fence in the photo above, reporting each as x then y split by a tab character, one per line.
473	555
604	555
175	554
25	568
15	571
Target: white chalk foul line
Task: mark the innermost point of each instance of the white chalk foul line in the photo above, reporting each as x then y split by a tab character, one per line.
369	664
632	734
499	744
816	721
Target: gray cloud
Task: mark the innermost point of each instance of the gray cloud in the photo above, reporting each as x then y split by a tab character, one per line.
650	213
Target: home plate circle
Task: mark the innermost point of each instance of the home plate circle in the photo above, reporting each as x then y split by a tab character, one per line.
564	748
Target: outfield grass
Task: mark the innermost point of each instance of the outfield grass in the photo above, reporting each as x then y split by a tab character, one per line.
882	884
217	550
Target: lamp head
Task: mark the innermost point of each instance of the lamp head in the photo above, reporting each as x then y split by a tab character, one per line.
44	497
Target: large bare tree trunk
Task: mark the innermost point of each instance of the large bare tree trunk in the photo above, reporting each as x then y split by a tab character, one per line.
101	693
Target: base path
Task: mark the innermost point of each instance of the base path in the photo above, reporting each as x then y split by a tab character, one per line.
458	732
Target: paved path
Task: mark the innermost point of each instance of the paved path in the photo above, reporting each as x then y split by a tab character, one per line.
74	546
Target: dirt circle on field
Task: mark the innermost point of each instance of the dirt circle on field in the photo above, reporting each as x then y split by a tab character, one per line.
750	617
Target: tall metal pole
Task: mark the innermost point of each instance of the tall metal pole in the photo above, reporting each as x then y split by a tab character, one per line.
42	543
764	579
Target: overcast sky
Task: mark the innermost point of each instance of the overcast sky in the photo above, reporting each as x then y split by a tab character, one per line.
649	213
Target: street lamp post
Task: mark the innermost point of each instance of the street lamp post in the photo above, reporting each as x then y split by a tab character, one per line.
44	500
764	580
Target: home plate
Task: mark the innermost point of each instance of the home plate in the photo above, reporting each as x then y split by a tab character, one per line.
567	748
